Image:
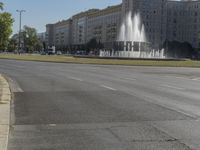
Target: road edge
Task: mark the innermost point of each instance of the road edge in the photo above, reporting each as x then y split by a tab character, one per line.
106	64
5	100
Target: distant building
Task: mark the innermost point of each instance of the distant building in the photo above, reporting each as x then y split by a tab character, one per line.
163	20
104	24
168	19
183	22
62	33
49	35
153	16
41	36
79	27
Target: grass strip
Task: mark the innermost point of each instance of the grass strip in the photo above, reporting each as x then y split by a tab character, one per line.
70	59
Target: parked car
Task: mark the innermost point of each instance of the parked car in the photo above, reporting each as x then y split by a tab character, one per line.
58	53
43	53
81	52
51	53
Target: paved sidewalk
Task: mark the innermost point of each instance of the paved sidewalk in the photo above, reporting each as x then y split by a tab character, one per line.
5	97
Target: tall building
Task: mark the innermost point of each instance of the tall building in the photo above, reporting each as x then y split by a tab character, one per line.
59	34
79	27
42	37
153	16
167	20
50	35
63	33
183	22
104	24
163	20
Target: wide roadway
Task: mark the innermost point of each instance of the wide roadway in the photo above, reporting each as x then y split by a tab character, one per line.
94	107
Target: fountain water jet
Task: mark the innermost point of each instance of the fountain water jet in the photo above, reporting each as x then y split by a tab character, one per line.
132	29
132	41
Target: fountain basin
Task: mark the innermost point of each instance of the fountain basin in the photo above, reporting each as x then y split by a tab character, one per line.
131	49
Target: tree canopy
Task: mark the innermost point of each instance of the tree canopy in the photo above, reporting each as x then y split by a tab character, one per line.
1	6
30	39
93	44
13	43
178	49
6	22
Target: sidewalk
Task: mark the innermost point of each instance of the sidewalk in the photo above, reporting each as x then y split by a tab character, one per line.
5	97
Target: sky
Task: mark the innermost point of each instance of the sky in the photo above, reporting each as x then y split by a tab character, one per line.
41	12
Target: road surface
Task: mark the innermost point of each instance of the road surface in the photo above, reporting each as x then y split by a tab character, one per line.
95	107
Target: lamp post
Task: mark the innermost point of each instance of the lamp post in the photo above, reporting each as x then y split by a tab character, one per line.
20	26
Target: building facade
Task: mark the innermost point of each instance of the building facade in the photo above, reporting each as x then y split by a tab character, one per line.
79	27
49	35
167	20
183	22
42	37
104	24
59	34
163	20
153	16
63	33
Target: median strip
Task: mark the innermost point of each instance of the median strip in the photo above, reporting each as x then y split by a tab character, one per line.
105	61
5	98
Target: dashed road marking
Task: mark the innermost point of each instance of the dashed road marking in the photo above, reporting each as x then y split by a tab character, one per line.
188	78
107	87
173	87
196	79
52	125
74	78
132	79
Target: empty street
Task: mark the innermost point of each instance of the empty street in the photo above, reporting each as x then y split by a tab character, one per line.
58	106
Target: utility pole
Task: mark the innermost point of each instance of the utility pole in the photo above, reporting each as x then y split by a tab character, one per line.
20	28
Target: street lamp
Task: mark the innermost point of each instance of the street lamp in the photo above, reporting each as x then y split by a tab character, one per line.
20	26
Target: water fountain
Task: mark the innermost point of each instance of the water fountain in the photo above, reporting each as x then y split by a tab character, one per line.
132	29
132	41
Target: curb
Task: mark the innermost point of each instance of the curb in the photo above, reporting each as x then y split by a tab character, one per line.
5	98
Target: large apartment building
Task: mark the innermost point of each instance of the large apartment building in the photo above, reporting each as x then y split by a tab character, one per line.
50	35
153	16
59	34
100	24
104	24
163	20
79	27
183	21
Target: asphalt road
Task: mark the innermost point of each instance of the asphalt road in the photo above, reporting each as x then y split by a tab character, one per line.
93	107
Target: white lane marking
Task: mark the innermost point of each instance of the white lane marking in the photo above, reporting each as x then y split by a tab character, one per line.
132	79
196	79
7	137
14	86
181	78
52	125
189	78
74	78
173	87
19	90
107	87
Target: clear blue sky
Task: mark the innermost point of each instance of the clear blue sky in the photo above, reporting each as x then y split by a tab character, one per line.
41	12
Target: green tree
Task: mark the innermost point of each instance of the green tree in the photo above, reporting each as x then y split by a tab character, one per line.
1	6
30	39
13	43
6	22
92	44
